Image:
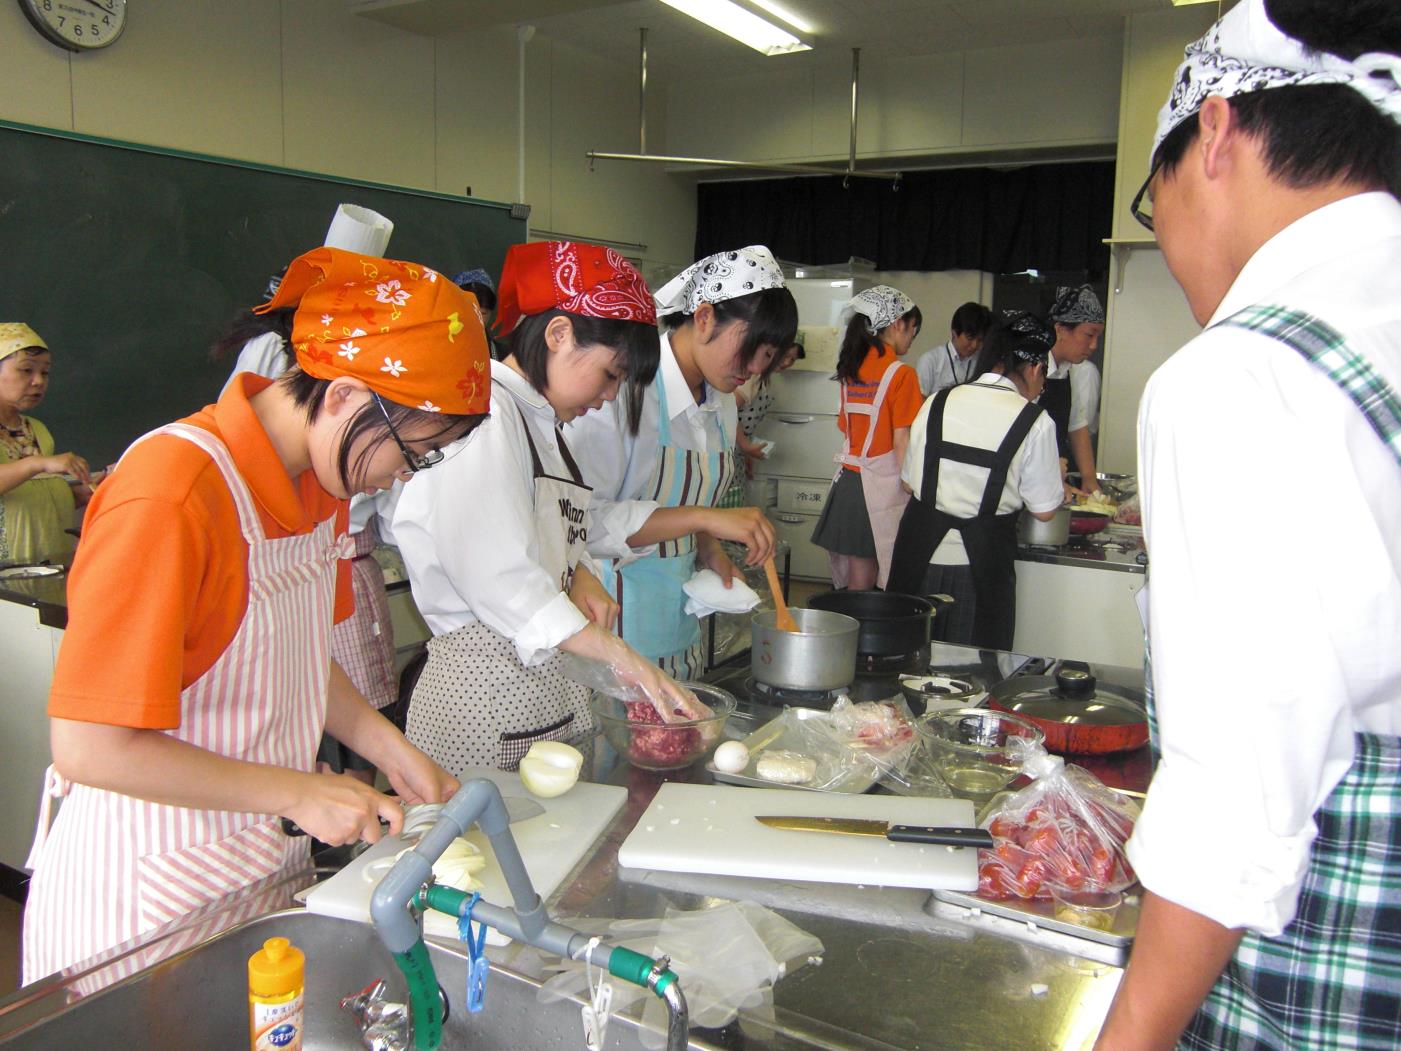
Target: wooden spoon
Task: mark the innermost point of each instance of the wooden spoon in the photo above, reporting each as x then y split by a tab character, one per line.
783	619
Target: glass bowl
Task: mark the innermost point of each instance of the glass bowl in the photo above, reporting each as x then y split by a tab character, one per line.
968	748
637	733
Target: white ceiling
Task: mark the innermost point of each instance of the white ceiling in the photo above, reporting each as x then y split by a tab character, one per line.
676	43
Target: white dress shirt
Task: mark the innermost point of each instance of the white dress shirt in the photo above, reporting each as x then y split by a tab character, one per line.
1084	392
942	367
619	465
467	530
979	414
1272	514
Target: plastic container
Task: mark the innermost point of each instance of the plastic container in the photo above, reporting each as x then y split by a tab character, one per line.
637	734
276	976
1092	909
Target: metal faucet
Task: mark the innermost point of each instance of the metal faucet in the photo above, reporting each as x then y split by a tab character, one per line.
409	884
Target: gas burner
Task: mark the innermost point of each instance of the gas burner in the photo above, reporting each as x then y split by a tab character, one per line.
892	664
781	696
1049	549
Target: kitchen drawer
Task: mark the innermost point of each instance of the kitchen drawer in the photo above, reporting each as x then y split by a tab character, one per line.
809	560
803	496
805	444
804	392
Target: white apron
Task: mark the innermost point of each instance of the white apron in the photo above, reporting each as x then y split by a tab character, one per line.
880	485
476	704
114	866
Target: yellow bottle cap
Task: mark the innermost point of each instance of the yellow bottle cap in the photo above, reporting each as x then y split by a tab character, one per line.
276	969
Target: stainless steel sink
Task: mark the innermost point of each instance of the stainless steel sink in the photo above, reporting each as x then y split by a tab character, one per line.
199	999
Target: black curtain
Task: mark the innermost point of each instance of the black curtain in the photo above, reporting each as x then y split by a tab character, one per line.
1045	216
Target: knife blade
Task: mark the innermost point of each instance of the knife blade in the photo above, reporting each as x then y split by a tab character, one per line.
847	826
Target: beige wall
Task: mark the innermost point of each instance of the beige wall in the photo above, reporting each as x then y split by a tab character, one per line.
305	84
1148	317
985	100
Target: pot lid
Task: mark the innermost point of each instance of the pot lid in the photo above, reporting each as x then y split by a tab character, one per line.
1071	695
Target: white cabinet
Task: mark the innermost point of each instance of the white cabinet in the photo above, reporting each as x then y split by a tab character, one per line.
28	649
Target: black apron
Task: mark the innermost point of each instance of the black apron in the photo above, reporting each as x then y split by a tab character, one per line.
989	538
1055	399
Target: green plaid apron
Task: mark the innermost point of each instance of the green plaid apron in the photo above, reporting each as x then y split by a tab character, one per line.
1332	978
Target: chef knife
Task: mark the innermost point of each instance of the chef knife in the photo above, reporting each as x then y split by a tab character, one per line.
847	826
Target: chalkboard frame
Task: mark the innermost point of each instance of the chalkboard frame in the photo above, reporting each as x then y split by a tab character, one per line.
131	259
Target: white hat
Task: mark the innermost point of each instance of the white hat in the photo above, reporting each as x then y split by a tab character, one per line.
882	306
357	229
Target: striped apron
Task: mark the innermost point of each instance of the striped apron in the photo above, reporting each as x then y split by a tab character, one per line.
1332	977
652	616
363	644
113	866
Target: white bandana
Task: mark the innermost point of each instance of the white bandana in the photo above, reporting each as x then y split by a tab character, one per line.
1245	52
718	277
882	306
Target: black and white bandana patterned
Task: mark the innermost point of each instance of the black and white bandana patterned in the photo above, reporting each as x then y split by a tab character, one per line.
1076	304
882	306
1246	52
724	275
1033	338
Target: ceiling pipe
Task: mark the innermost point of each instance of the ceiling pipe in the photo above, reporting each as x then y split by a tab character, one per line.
855	97
642	92
847	173
523	35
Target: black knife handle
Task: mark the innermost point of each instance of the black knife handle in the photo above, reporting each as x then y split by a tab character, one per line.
944	837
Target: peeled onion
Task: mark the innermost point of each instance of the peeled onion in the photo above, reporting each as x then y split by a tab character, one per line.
550	768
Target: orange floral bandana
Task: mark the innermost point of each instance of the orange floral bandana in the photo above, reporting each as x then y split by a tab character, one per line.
408	333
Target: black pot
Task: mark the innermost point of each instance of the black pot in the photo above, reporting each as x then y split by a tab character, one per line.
892	625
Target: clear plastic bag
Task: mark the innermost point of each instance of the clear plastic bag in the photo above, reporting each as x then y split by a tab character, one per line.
727	957
853	743
1063	832
1129	512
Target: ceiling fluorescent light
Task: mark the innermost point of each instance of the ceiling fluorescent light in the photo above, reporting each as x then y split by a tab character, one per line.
783	15
1184	3
745	26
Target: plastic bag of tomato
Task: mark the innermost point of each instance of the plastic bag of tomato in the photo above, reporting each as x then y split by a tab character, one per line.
1065	831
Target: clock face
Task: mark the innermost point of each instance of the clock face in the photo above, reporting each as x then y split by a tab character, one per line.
78	25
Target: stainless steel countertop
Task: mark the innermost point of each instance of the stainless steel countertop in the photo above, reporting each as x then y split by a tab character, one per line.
893	974
1117	548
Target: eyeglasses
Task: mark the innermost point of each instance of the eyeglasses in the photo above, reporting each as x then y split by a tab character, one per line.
1142	206
416	461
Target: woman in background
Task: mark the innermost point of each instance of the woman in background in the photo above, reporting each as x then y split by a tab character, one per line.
656	481
36	500
979	452
753	400
495	542
879	399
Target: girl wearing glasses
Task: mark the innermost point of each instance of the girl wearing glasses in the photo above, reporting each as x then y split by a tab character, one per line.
188	700
363	643
496	540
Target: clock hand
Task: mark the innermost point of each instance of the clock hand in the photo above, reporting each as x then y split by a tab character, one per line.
100	7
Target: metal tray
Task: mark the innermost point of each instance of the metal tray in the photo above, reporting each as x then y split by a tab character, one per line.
1035	920
776	733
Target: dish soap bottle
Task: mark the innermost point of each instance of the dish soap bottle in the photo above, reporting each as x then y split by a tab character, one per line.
275	978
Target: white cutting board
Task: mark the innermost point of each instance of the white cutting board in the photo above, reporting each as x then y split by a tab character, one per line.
551	844
711	829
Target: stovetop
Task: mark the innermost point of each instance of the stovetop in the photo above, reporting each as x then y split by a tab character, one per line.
1118	548
980	668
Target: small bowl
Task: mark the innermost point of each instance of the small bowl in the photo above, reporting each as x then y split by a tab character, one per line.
664	746
1088	908
969	749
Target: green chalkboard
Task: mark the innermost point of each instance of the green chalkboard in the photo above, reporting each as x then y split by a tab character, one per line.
131	261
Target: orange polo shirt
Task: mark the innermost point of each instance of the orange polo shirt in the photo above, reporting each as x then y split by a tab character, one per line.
902	402
159	585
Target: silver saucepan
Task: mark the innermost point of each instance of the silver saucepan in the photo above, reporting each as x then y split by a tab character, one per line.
1052	533
821	655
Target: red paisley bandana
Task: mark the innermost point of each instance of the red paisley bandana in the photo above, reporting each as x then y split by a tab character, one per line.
578	278
411	335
